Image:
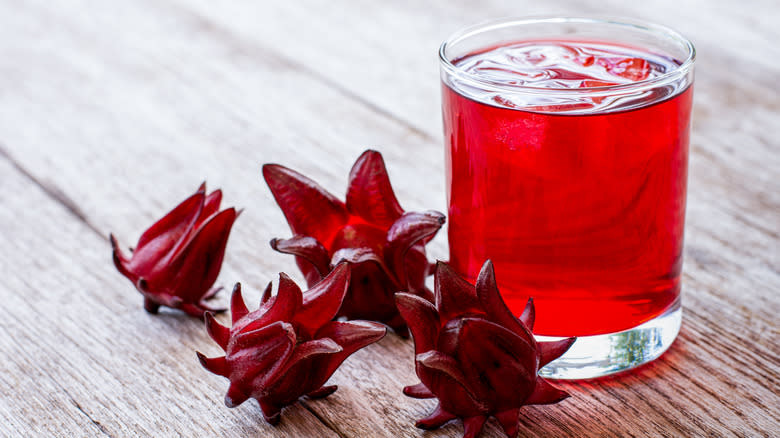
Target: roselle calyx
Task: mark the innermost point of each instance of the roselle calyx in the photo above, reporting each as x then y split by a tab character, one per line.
289	347
474	355
177	260
385	245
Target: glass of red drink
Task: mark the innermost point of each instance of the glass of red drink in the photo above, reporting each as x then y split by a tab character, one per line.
566	160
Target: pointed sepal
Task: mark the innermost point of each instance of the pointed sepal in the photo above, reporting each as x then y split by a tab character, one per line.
321	303
351	336
217	365
307	248
509	421
528	317
549	351
266	293
545	393
370	194
494	305
418	391
454	296
238	308
422	318
309	209
271	412
472	426
322	392
435	419
235	396
409	229
218	332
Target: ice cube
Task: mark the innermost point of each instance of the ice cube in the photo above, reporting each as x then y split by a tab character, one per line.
633	69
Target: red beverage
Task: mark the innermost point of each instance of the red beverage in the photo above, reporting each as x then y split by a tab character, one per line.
579	202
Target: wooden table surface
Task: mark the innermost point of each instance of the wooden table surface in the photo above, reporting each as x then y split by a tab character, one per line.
112	112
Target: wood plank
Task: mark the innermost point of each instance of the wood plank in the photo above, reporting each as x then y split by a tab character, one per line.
186	94
117	107
385	55
81	358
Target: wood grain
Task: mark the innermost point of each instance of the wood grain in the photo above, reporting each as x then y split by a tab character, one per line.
80	358
110	116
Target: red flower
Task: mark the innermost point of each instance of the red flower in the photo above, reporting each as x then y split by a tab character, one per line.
371	230
289	347
177	260
474	355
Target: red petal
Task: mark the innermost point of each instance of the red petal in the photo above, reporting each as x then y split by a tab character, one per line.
496	362
473	426
235	396
356	256
305	247
288	288
309	209
321	303
370	194
238	308
322	392
120	259
549	351
545	394
442	374
371	295
436	419
404	233
416	268
159	244
259	337
210	206
351	336
217	365
314	348
422	319
218	332
300	375
310	273
174	224
418	391
266	294
437	361
271	412
264	339
509	421
153	300
287	302
198	264
454	295
257	357
490	297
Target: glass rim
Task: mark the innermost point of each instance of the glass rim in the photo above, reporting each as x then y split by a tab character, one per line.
494	24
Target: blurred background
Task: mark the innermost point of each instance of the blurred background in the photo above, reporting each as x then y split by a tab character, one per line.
121	90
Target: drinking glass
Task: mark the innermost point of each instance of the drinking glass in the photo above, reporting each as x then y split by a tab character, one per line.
577	195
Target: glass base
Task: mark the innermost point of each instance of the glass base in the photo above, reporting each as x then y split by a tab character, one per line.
601	355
